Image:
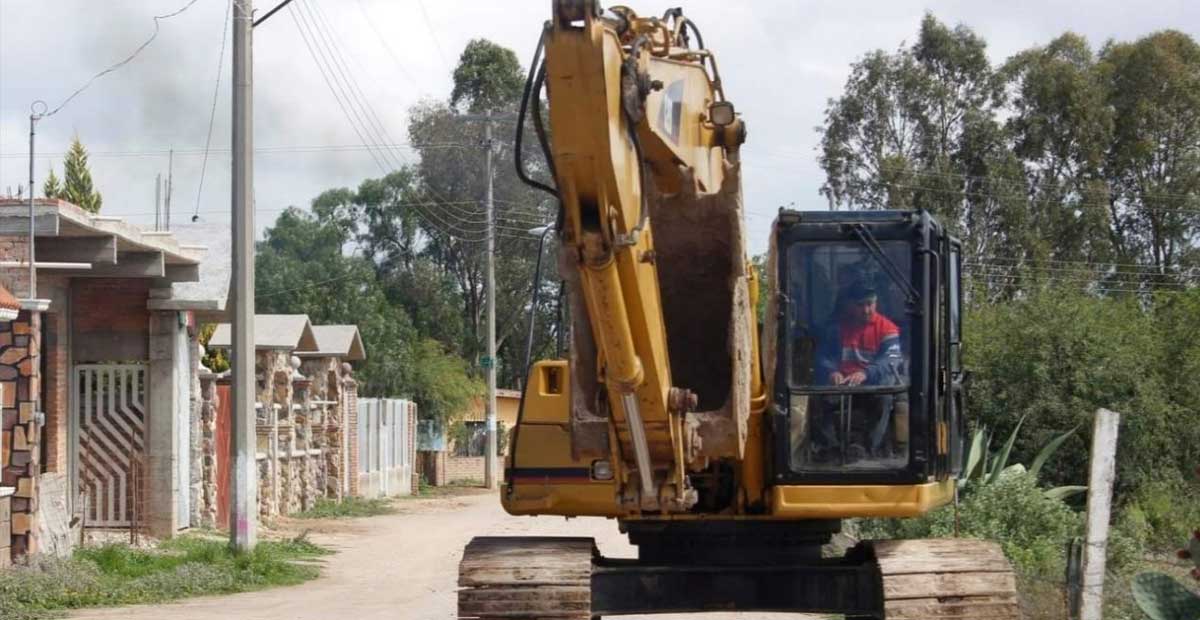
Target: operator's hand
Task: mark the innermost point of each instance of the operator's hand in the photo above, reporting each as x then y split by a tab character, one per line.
856	378
837	378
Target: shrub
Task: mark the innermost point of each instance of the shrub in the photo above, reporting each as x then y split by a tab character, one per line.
1032	528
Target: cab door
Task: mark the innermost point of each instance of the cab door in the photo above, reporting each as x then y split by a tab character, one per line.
954	374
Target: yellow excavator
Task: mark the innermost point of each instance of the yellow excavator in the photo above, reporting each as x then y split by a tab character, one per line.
729	441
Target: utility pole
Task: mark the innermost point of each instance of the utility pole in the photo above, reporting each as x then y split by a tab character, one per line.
244	511
158	201
489	469
489	361
34	116
170	189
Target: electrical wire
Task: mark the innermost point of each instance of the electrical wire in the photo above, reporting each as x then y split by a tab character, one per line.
339	93
433	35
127	60
374	124
302	29
387	46
212	114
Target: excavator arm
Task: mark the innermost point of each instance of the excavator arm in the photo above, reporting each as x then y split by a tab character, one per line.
637	116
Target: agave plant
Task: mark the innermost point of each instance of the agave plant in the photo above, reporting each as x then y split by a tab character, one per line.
985	467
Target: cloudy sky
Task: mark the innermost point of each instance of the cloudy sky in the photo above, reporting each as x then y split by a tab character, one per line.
781	60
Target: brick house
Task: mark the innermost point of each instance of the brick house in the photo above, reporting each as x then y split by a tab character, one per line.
98	375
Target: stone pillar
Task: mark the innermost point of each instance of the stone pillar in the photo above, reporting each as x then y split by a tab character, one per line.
195	405
22	425
208	449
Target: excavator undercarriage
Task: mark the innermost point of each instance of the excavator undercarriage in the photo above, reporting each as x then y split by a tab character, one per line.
728	570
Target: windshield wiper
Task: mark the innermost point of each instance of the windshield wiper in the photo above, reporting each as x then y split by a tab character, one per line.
864	235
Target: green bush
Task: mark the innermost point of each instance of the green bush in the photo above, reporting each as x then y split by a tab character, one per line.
1032	528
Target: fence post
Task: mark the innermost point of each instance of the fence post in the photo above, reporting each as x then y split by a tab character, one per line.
1099	508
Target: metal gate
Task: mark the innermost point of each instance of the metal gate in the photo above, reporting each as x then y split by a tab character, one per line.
386	443
110	411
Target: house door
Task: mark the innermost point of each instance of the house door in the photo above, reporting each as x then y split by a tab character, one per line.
110	411
224	426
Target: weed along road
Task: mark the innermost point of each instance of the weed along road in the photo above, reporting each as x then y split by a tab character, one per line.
402	566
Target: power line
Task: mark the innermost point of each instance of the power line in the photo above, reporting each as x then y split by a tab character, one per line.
433	35
303	148
154	35
372	124
338	93
387	46
212	115
1012	183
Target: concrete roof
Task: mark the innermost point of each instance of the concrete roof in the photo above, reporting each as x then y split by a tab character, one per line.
75	243
209	296
342	341
288	332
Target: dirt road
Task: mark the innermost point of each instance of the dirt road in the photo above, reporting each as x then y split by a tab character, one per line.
395	567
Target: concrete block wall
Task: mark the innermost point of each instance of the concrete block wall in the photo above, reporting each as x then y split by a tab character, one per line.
464	468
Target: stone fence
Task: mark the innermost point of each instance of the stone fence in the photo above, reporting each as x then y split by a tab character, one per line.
306	447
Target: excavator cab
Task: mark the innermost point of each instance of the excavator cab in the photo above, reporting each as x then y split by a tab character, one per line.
868	377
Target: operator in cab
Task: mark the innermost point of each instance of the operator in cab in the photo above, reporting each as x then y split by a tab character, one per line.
860	347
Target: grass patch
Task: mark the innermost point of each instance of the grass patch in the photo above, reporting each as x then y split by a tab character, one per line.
347	508
116	574
466	482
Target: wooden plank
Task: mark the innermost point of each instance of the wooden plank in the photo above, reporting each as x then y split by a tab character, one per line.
946	585
523	576
963	609
44	225
526	578
900	557
101	249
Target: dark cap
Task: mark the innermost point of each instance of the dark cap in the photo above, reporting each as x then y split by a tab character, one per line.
861	290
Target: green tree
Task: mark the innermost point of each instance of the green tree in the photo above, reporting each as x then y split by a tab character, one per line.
488	77
916	128
77	185
52	188
1153	161
302	268
1060	127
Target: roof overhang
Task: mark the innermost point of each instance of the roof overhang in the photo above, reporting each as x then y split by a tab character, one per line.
71	242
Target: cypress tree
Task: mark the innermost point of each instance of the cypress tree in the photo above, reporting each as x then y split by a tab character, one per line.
52	188
77	186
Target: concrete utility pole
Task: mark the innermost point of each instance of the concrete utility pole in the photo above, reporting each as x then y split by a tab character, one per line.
489	469
1103	466
243	530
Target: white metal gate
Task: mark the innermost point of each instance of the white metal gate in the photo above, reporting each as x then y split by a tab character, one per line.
110	413
386	440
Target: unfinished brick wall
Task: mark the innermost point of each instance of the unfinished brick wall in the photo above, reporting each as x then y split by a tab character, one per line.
15	280
57	381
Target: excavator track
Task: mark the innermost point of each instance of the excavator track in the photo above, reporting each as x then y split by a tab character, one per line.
515	577
542	578
945	578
